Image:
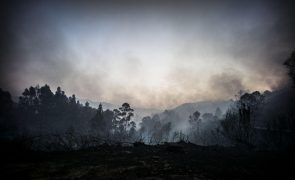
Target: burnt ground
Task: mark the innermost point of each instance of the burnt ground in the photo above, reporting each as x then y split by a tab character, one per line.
169	161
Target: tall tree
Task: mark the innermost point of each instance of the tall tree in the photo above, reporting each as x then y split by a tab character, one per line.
122	119
98	125
195	121
290	63
6	113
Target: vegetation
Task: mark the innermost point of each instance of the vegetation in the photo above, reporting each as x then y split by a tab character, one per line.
43	121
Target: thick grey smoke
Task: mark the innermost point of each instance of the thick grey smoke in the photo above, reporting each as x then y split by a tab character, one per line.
227	83
149	53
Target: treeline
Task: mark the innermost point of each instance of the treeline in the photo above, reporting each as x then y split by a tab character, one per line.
56	121
265	121
53	121
254	121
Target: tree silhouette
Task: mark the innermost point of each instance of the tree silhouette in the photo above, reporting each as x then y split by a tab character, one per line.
194	119
98	124
195	123
290	63
239	122
6	113
122	123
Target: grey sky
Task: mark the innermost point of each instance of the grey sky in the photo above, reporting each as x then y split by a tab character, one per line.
151	54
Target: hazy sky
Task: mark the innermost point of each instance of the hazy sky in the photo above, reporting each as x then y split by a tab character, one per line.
150	54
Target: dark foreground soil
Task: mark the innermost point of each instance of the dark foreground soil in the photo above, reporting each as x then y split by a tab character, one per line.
170	161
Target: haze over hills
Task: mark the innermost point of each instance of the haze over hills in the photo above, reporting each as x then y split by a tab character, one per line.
178	113
183	110
187	109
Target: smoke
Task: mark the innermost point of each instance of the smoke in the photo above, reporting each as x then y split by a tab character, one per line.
149	53
227	83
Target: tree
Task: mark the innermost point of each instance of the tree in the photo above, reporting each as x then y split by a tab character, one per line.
154	130
86	104
166	128
7	122
122	123
146	126
290	63
45	95
195	125
42	111
72	99
108	117
195	120
239	121
98	125
60	98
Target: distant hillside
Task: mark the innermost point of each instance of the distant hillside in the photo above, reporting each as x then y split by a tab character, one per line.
187	109
179	115
183	111
95	104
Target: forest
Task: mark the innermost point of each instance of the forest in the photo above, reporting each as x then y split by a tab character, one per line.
147	89
45	124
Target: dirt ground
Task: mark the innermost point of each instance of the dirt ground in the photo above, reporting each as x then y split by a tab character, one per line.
168	161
